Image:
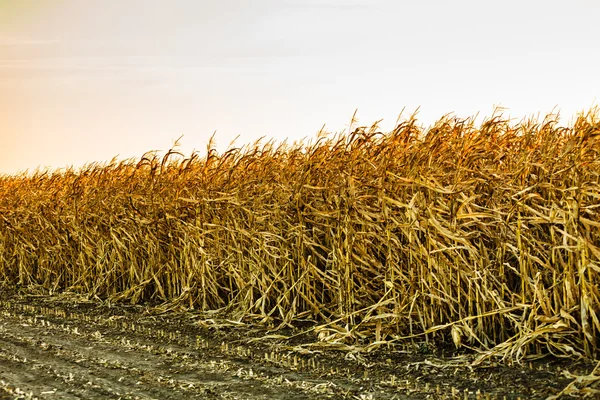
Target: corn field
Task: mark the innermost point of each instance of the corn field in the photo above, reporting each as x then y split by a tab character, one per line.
482	236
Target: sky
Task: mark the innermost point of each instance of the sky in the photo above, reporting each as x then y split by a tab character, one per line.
85	81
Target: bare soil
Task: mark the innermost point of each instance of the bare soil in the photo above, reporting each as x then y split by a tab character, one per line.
69	347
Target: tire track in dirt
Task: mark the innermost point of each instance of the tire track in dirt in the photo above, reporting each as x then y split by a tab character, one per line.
94	361
68	347
87	368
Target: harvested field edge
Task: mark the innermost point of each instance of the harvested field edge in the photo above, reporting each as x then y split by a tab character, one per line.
480	237
64	346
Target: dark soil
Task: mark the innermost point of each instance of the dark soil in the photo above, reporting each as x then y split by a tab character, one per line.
68	347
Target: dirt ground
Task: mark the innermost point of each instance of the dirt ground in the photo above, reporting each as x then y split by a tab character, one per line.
68	347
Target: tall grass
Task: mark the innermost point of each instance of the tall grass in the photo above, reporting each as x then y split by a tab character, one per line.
485	235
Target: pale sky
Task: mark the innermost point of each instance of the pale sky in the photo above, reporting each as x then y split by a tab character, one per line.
85	80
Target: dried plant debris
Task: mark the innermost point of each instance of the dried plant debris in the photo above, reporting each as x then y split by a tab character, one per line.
52	348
